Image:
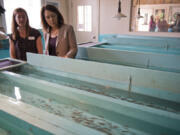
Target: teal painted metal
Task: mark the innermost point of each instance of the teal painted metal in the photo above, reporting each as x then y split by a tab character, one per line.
137	80
66	103
4	53
4	44
141	43
98	98
12	125
89	84
115	110
152	39
147	60
4	48
102	36
161	50
40	118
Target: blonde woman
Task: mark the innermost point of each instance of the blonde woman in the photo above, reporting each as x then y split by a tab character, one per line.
23	38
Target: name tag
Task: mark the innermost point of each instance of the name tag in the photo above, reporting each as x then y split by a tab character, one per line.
31	38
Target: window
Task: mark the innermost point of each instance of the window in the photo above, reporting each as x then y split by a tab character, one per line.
32	8
84	21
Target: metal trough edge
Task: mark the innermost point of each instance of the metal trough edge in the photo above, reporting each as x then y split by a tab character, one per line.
150	115
42	119
141	78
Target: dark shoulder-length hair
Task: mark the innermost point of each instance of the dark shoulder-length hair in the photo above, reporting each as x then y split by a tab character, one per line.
14	25
51	8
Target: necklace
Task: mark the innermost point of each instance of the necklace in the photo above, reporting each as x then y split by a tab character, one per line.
54	33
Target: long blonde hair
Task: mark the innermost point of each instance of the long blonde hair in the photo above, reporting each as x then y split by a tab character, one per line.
14	24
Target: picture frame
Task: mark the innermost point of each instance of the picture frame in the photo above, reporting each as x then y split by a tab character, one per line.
55	3
160	13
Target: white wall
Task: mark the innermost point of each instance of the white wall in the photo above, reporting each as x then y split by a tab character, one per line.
109	25
64	9
108	8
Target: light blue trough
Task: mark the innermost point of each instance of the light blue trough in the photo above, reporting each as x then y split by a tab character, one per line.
148	60
77	97
4	48
167	45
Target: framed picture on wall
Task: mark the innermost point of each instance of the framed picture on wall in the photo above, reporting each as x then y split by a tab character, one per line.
55	3
160	13
175	11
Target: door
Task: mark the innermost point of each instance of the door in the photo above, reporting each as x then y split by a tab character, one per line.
85	20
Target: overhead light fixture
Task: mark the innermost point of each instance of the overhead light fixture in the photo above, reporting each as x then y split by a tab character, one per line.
119	15
139	13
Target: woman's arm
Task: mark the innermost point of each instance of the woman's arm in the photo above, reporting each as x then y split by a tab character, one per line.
72	44
39	45
12	49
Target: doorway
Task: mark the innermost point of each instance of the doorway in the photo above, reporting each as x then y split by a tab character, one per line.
85	20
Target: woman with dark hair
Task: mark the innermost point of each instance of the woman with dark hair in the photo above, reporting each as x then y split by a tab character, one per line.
59	38
23	38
